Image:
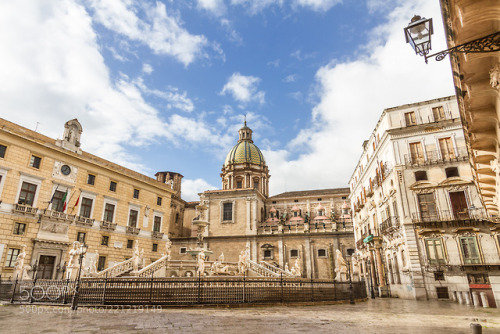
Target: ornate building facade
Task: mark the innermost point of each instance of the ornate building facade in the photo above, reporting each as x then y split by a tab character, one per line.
304	227
420	227
52	193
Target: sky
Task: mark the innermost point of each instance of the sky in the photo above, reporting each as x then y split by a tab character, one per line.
164	85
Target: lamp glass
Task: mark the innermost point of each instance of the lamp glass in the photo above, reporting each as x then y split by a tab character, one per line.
418	34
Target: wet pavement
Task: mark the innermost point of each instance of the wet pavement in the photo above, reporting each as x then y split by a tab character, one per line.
373	316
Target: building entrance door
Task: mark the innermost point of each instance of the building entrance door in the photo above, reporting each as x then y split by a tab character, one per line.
45	267
459	205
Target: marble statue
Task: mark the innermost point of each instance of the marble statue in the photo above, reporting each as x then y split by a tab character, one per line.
286	268
218	267
136	257
340	266
296	271
201	263
74	254
242	262
25	275
495	76
168	248
355	266
93	263
19	265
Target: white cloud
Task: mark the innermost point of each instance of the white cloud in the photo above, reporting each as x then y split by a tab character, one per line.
317	5
176	100
232	34
243	88
216	7
256	6
147	68
274	63
191	188
290	78
351	98
161	32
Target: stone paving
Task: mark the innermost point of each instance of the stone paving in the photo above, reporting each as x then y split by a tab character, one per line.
373	316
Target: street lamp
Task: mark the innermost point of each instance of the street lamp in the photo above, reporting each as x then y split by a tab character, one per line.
372	293
418	34
350	251
82	252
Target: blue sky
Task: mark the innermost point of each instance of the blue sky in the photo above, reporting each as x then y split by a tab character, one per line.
163	85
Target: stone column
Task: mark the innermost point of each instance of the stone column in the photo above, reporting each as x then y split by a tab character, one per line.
280	251
254	249
249	227
380	268
308	258
459	297
466	297
453	296
484	299
254	218
475	299
372	271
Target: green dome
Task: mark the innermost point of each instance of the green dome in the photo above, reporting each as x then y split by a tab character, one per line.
245	152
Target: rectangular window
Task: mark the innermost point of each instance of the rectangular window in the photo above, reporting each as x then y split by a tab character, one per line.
183	250
19	228
427	207
101	265
35	161
112	186
239	184
294	253
3	149
130	243
410	119
81	237
470	251
321	252
12	257
446	147
268	254
228	211
86	207
438	113
439	276
421	175
157	224
416	153
132	218
442	292
136	193
435	251
105	240
158	201
57	201
27	195
451	172
91	179
155	247
109	211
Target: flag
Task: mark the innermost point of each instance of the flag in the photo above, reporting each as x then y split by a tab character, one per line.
65	196
52	198
77	201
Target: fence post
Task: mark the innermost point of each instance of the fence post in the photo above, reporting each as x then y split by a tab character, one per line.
31	292
104	290
66	291
14	291
334	290
199	288
151	289
312	290
244	287
281	282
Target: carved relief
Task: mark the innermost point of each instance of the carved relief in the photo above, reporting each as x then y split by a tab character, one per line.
54	227
495	77
58	172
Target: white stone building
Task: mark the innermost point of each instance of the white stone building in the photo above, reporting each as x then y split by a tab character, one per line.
420	227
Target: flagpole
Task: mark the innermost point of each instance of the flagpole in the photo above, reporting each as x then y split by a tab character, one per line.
52	198
78	200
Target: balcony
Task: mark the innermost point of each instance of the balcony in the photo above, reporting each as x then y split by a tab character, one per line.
108	226
52	214
360	244
84	221
25	209
156	235
133	230
467	217
436	157
390	225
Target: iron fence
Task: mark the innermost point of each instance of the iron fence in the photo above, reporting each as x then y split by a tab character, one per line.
436	157
185	291
473	214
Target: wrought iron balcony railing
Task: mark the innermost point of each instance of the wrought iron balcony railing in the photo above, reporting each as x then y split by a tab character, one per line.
436	157
390	225
449	215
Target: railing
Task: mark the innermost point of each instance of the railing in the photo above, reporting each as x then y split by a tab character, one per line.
84	221
261	270
436	157
311	227
152	268
360	244
132	230
390	225
25	209
275	269
187	291
157	235
108	226
117	269
448	215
